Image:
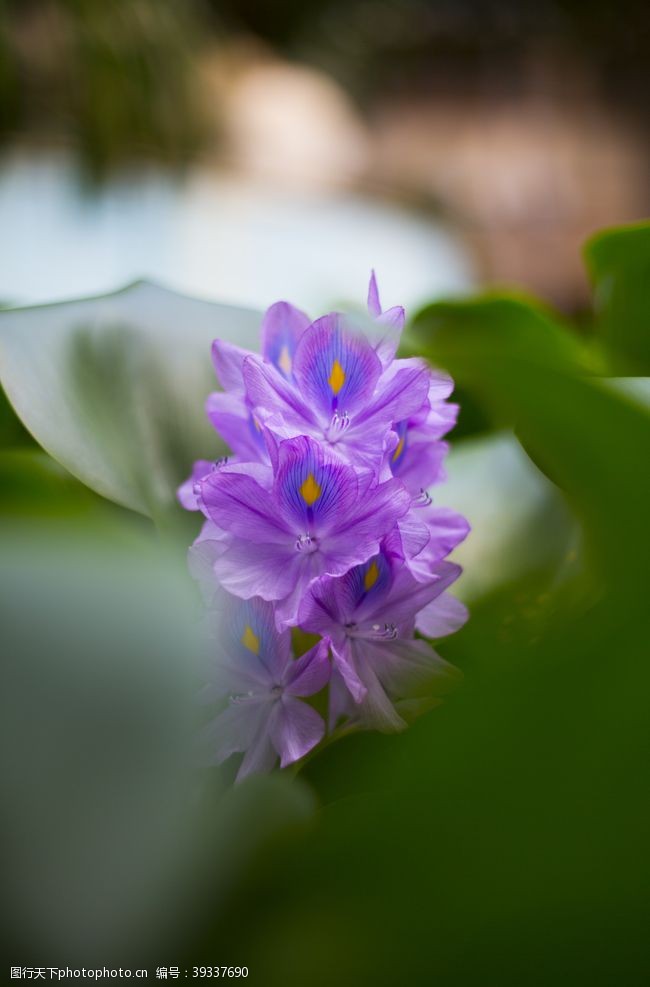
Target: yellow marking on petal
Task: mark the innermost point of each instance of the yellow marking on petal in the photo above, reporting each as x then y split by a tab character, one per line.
310	491
284	360
337	377
399	450
371	576
250	640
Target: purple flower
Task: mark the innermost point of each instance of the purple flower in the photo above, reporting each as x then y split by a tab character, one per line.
341	394
264	718
326	380
321	519
312	516
428	534
230	412
370	615
188	490
282	327
392	322
417	454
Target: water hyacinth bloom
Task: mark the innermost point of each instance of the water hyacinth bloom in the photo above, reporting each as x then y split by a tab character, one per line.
417	455
341	395
187	492
322	520
328	381
265	718
370	615
428	534
315	516
391	322
230	411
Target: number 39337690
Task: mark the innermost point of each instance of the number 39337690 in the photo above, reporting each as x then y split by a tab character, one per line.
224	972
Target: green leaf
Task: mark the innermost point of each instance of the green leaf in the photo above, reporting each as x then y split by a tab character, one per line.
618	262
636	388
533	374
101	667
114	387
527	331
503	838
508	503
467	336
12	432
33	484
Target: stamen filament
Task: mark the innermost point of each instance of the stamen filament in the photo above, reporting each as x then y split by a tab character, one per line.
337	426
423	499
306	543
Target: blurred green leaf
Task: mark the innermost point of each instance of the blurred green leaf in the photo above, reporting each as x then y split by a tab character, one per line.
473	420
618	261
242	823
528	330
635	388
114	387
466	332
508	503
12	432
533	374
502	838
33	484
117	836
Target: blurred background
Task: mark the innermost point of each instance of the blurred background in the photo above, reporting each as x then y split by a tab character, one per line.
246	151
242	151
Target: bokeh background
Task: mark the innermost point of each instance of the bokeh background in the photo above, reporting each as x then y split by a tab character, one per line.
229	148
240	152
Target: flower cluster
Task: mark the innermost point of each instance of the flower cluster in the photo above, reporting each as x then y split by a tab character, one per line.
321	521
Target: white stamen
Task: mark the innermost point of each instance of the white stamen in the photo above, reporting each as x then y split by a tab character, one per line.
306	543
339	423
423	499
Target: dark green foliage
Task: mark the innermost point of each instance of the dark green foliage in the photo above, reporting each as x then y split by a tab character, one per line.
619	264
502	839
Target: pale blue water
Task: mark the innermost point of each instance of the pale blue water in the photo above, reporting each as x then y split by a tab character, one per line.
213	236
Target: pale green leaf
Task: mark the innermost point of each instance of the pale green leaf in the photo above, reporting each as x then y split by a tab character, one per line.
114	387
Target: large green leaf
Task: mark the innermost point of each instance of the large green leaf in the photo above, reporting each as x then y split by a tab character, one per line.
468	337
533	374
618	261
12	432
32	484
503	838
114	387
511	326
